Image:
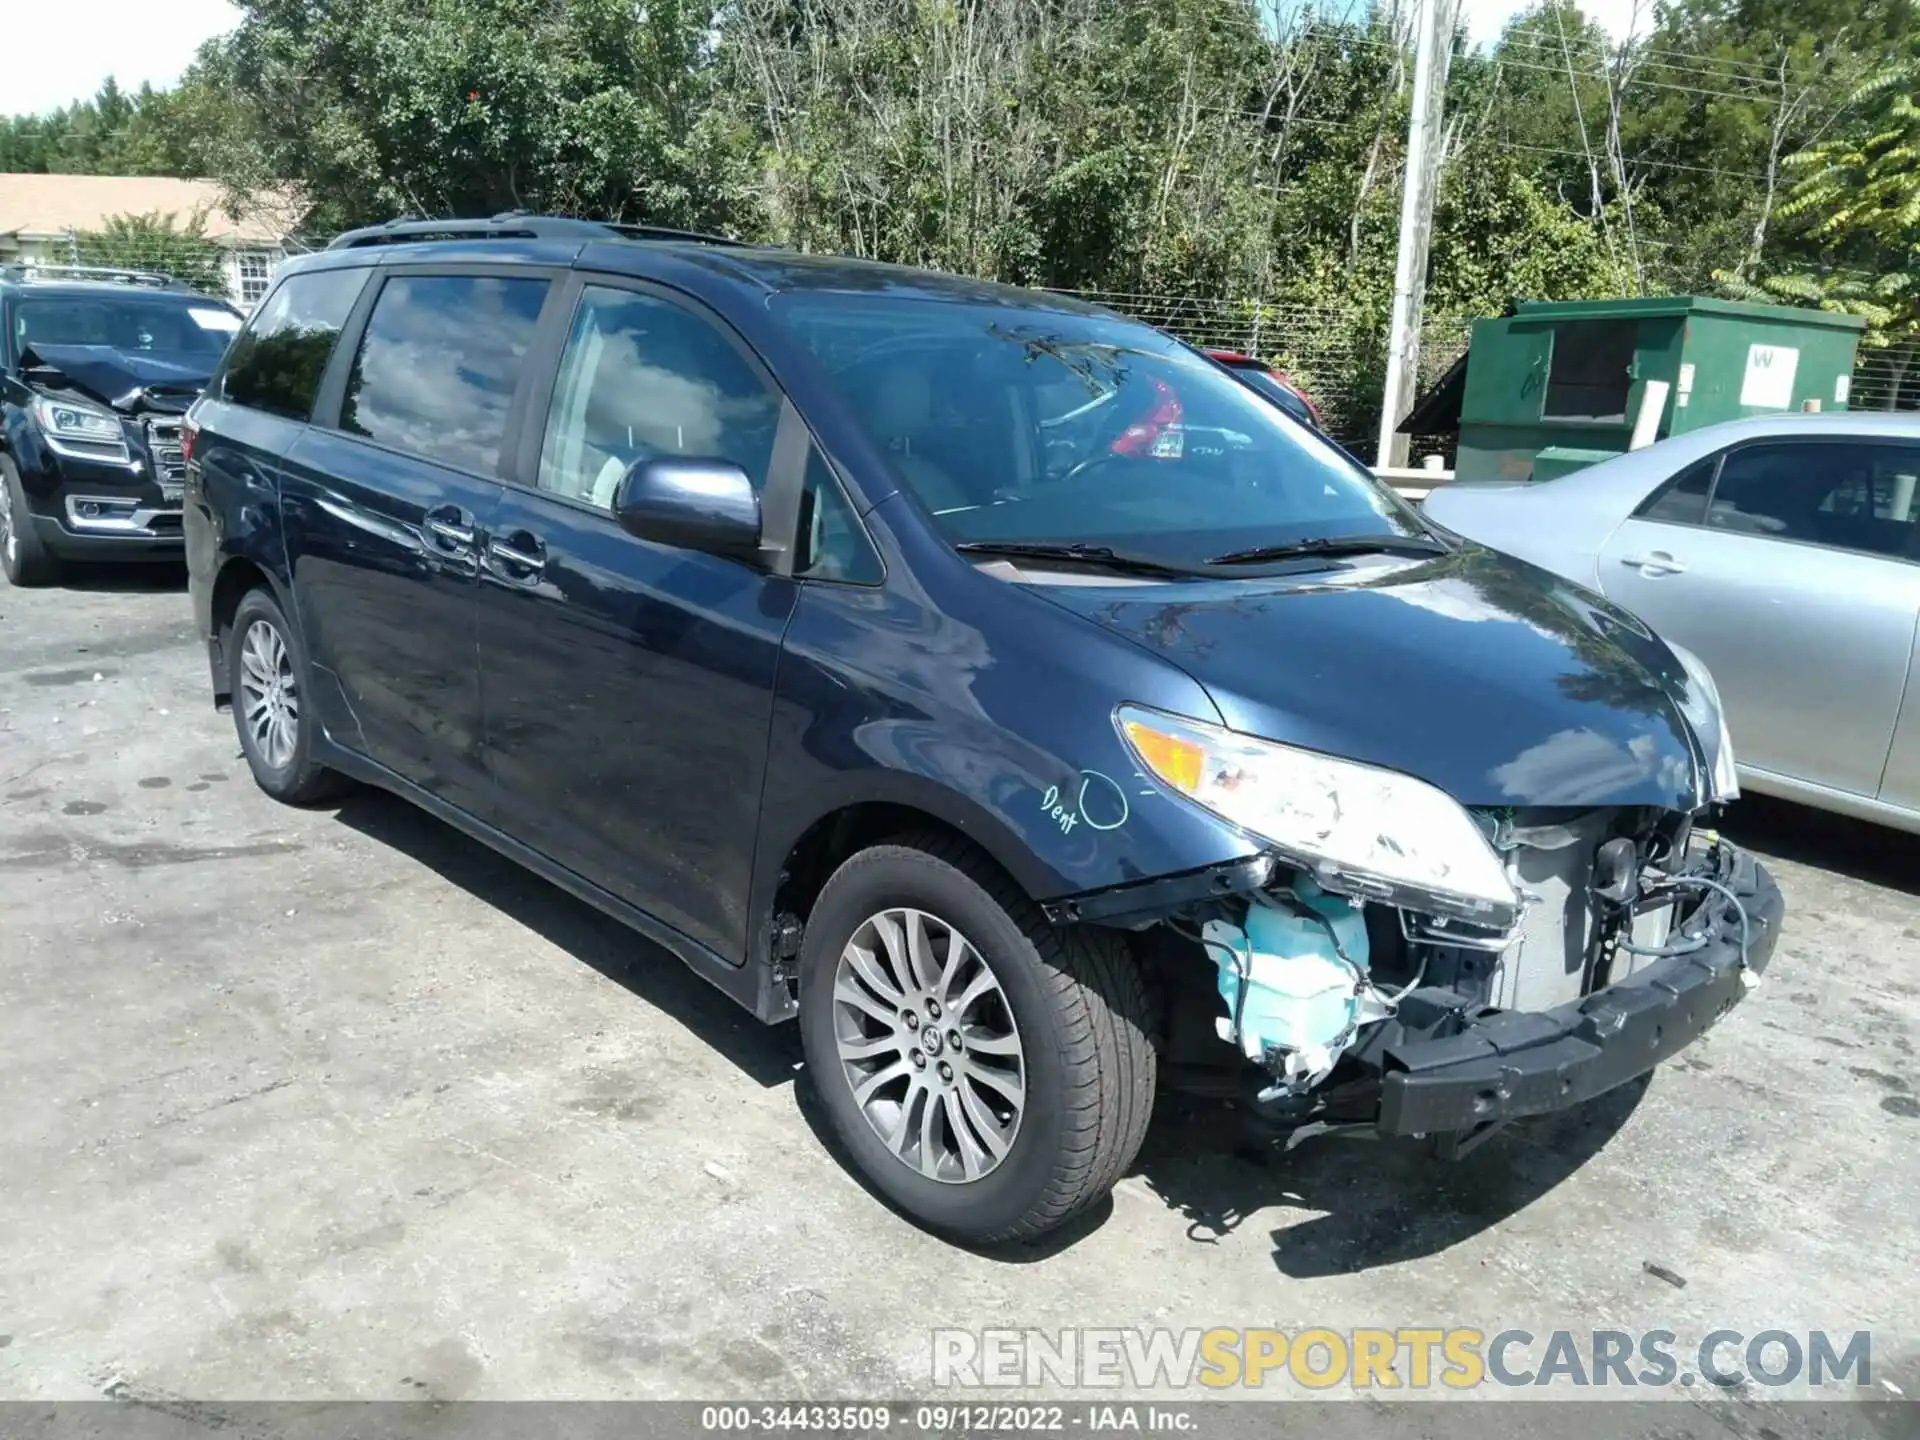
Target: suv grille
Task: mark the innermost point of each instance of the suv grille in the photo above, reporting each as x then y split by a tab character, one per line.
163	446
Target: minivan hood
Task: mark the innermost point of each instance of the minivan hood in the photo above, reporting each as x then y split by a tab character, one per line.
128	380
1492	679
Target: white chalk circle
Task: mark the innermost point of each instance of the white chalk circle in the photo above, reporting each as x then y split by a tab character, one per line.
1103	804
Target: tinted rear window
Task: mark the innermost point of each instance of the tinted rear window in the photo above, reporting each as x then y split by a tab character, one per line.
277	361
438	365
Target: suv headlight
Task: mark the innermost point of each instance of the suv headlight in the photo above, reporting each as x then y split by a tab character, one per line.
1359	830
76	428
1708	716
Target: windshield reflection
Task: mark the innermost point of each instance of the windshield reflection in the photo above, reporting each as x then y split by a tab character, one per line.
1060	427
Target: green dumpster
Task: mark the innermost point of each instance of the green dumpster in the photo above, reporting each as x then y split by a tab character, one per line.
1557	385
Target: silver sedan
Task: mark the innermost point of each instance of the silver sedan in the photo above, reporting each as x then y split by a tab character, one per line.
1785	552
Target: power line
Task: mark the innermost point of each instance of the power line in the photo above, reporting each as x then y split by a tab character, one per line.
1707	67
1483	138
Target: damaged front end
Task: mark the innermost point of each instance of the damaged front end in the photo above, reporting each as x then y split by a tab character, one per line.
110	433
1387	969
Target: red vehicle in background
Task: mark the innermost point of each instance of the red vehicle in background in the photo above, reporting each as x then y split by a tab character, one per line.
1269	384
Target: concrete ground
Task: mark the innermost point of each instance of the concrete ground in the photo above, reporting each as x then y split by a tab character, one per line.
336	1103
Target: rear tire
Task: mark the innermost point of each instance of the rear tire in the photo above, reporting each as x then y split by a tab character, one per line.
269	677
1052	1085
23	555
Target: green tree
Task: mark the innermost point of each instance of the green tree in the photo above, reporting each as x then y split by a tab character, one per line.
440	107
114	133
1855	204
158	243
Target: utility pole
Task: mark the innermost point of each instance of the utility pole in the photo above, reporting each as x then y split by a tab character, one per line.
1432	49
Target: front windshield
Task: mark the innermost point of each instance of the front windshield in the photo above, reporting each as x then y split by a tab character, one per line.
130	322
1061	428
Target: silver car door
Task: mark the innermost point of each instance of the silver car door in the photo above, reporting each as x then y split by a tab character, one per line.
1782	564
1900	785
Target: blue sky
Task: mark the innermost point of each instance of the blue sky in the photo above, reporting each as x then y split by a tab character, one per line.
61	52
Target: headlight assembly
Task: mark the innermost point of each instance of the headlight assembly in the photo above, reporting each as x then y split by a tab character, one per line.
1360	830
1708	716
76	428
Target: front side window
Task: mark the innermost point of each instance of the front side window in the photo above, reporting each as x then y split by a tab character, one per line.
832	544
438	364
1845	495
1047	426
642	377
277	361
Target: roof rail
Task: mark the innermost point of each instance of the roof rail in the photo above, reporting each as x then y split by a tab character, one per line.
113	274
514	225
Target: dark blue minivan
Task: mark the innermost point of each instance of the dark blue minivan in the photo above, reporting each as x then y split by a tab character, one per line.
985	680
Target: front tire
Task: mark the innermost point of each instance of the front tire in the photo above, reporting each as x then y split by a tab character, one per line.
988	1073
23	555
268	678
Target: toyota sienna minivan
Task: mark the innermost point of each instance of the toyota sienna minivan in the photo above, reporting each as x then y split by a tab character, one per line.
984	680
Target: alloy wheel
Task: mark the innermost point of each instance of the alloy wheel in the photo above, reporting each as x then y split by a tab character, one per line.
269	697
9	541
928	1045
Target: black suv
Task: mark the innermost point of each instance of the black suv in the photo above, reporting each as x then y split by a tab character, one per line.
97	367
987	680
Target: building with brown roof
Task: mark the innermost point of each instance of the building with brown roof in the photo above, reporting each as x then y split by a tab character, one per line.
41	216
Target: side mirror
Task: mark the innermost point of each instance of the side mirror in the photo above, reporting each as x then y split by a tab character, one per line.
704	505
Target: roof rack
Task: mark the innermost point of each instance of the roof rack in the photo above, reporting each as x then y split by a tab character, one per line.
514	225
110	274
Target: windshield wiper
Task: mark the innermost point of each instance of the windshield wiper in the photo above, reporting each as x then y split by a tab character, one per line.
1334	545
1075	553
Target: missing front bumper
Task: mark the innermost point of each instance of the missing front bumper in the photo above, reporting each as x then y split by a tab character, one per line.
1505	1065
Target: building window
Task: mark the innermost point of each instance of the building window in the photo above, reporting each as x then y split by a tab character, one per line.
256	273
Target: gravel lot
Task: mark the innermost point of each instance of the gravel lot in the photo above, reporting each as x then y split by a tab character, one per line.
336	1103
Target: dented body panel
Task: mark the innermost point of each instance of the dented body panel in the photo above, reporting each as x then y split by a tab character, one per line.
980	704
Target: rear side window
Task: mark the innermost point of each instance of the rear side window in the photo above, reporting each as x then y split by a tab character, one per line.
438	364
275	363
1683	499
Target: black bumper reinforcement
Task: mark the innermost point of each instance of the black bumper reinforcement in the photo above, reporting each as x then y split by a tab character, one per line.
1511	1063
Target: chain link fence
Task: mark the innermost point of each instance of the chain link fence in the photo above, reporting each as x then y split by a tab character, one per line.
241	274
1336	353
1886	379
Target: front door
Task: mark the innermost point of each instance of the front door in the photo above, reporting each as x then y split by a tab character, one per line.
383	512
1783	565
629	686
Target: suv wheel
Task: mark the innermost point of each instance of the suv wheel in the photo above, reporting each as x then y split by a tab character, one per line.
22	555
268	675
988	1073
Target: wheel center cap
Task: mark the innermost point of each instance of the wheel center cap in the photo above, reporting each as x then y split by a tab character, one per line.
930	1041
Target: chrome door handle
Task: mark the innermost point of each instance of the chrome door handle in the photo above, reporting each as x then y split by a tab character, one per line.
461	537
1658	563
531	563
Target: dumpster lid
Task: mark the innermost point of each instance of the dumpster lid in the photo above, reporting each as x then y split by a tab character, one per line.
1655	306
1438	411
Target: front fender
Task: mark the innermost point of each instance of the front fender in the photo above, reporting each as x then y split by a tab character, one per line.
886	697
